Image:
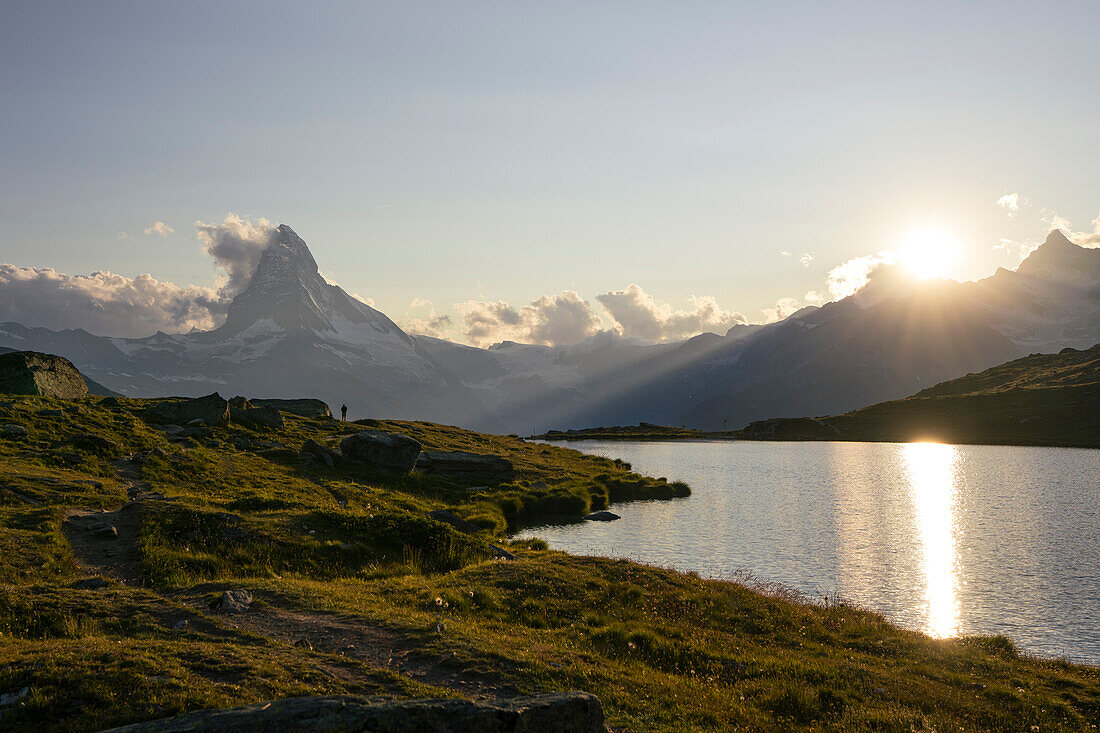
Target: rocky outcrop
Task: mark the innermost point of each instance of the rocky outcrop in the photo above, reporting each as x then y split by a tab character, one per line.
302	407
789	428
568	712
467	466
211	410
11	431
442	515
45	375
327	456
256	417
385	450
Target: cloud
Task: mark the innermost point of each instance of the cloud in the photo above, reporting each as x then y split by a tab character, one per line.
806	259
160	229
1010	202
105	303
783	308
849	277
1085	239
235	245
551	319
1017	250
640	315
122	235
429	323
784	253
435	326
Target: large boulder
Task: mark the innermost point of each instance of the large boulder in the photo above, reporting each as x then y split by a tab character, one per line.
466	466
326	455
256	417
385	450
211	409
302	407
567	712
46	375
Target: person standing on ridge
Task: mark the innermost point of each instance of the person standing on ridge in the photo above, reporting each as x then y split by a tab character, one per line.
344	413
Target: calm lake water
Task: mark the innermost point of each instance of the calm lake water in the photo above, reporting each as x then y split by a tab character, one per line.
942	538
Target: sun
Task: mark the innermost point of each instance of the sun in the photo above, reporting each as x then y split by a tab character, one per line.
928	253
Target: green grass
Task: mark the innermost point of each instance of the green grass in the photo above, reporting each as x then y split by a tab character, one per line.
663	650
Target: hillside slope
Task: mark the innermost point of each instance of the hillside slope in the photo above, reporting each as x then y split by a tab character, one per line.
1042	399
356	589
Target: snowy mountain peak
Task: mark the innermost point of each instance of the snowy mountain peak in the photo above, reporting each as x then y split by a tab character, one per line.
287	294
1059	259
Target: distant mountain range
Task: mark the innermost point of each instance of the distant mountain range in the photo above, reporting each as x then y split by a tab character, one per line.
1042	399
292	334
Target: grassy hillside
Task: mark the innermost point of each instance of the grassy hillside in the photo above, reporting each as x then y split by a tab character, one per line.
1042	399
357	590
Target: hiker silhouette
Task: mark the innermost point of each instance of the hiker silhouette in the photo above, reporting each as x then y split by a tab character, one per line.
344	413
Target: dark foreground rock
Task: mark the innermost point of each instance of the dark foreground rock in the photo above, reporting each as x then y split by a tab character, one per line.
46	375
442	515
301	408
325	455
569	712
257	417
211	409
392	452
603	516
468	466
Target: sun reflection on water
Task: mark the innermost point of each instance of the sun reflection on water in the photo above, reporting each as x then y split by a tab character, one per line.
931	469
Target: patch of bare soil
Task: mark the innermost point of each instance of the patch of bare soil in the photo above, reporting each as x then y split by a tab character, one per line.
105	542
373	645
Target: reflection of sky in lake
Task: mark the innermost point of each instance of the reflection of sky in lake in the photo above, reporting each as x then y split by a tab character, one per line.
945	539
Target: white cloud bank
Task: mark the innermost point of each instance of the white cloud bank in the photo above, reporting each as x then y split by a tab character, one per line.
105	303
235	245
109	304
551	319
640	315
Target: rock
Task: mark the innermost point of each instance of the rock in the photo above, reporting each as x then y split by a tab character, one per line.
11	431
239	403
301	407
94	443
604	516
385	450
49	413
790	428
235	601
500	553
468	466
10	698
442	515
566	712
257	417
181	624
326	455
170	429
110	403
90	584
210	410
46	375
199	431
70	458
106	533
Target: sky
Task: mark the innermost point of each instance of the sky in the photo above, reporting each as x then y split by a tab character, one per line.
478	165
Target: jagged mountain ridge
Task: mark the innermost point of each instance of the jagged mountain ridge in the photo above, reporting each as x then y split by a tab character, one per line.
290	333
883	343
